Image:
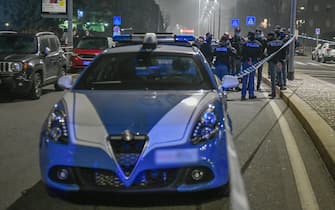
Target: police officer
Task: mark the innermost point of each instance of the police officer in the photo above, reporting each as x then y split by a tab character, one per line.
222	54
275	63
237	42
260	37
251	53
206	48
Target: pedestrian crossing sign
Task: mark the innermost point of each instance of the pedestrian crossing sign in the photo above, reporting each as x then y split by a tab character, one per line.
235	23
251	20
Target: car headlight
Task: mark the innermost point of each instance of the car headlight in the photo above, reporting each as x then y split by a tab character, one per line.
57	129
206	127
16	67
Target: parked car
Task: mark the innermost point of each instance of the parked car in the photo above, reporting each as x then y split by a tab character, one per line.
299	49
86	50
29	62
327	53
315	51
141	118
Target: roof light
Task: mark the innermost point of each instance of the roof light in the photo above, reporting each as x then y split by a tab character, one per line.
150	41
185	38
123	37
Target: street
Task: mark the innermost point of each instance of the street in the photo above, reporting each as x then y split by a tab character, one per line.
323	71
265	131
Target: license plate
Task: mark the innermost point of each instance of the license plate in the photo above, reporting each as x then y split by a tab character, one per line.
176	156
86	63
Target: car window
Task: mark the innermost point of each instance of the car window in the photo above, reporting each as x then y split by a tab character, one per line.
43	44
145	71
53	44
18	44
332	46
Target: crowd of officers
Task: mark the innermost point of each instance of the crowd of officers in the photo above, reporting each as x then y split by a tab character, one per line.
233	54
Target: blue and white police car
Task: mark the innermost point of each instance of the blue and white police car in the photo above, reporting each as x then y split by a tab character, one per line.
146	117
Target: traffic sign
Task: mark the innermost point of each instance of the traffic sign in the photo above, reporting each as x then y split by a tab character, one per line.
235	23
250	21
317	31
117	20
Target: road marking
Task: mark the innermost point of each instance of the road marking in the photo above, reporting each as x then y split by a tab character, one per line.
300	63
307	197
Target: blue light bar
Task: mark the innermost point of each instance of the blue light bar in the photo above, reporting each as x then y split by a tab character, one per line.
122	38
185	37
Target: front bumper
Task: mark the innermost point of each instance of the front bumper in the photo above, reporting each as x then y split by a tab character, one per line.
15	83
92	169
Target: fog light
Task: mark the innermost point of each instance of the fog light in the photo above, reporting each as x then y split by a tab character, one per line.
197	174
62	174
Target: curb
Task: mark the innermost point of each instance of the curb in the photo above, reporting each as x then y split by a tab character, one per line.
321	133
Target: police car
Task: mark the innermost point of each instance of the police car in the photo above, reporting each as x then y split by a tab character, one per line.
147	116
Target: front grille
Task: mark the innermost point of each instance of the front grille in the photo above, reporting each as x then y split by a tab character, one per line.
127	153
86	56
5	67
146	180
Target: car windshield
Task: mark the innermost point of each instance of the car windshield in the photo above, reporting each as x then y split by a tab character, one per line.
18	44
92	43
143	71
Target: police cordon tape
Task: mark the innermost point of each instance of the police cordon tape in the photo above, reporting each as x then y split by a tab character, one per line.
316	39
255	66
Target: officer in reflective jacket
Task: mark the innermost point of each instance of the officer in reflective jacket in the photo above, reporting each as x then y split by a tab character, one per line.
276	62
223	54
252	51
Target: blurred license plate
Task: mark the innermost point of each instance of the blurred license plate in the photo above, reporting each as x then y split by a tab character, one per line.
86	63
176	156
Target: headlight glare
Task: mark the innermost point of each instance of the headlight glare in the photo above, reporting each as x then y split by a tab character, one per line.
57	126
16	67
206	127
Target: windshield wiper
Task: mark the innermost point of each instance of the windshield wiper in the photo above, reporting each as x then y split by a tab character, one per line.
106	82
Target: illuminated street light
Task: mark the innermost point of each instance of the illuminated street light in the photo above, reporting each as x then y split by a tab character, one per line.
7	24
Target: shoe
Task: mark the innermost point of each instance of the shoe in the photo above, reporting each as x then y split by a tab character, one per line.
243	98
283	88
252	97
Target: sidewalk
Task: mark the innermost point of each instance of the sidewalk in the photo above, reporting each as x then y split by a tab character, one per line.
313	102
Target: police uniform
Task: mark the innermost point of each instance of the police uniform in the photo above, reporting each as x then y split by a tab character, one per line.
251	54
275	63
222	55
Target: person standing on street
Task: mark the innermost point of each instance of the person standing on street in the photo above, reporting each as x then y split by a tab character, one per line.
237	42
251	53
260	37
222	54
206	48
275	63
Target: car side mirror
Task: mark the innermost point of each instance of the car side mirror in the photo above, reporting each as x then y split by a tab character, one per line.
46	51
229	81
66	81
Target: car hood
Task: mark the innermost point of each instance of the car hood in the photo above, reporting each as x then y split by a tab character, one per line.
87	51
14	57
162	116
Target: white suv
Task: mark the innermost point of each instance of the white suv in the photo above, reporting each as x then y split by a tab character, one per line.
327	53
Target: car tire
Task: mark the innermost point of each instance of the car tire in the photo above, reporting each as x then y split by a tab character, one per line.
57	87
36	88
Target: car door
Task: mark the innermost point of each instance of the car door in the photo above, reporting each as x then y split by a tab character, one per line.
44	49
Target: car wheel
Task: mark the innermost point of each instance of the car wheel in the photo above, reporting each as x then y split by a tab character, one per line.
36	89
57	87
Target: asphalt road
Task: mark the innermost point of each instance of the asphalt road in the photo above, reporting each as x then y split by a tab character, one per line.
323	71
280	165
